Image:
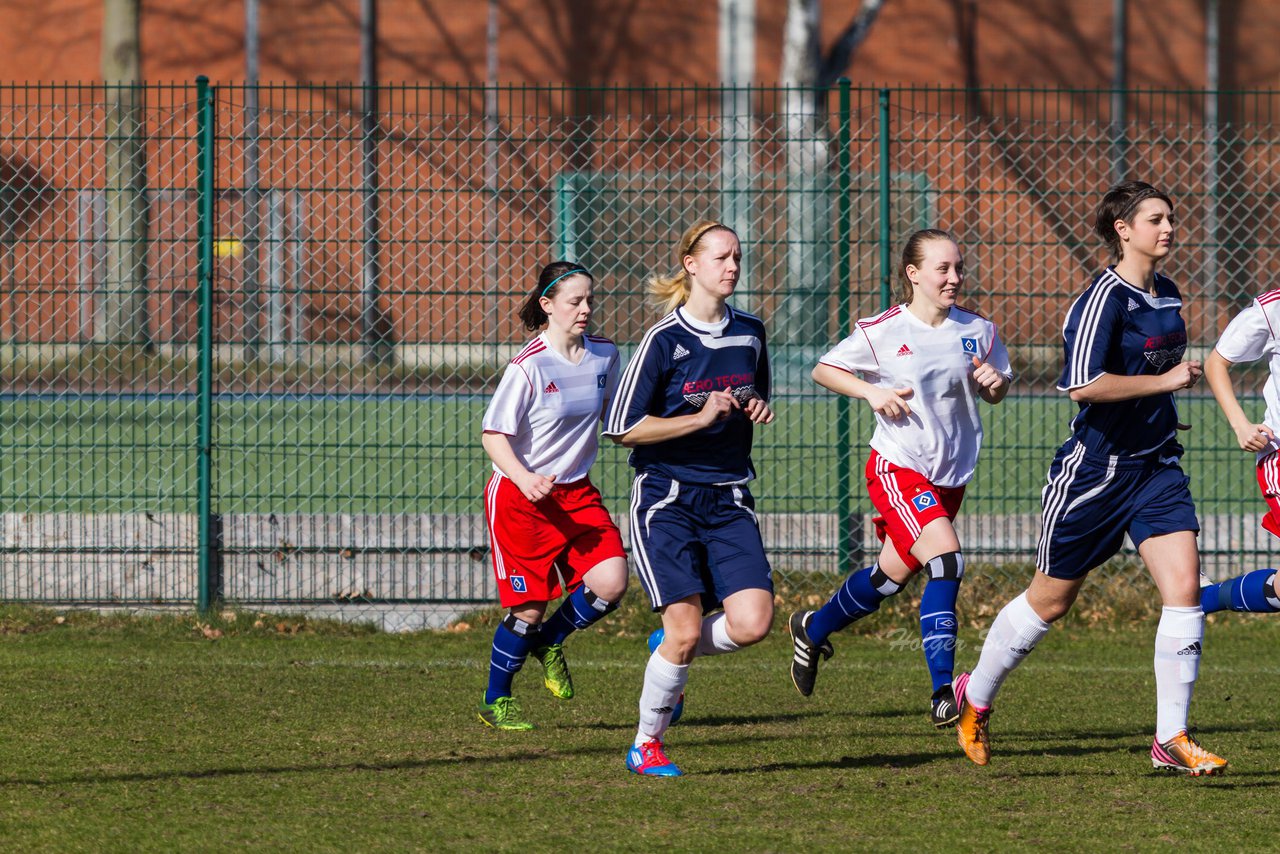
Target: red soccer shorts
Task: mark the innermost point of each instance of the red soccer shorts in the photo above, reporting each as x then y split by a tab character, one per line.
1269	483
906	502
541	549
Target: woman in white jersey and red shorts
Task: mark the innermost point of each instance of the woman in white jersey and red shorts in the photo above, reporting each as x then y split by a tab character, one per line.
922	366
1253	334
548	527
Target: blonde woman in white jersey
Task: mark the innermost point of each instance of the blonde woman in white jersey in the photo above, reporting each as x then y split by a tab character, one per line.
922	366
548	526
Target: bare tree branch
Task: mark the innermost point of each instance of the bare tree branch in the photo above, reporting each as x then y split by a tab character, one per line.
838	59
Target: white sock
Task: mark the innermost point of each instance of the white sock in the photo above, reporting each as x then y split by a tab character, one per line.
1016	631
663	684
715	639
1179	640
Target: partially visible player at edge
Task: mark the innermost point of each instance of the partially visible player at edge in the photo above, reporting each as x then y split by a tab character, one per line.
548	526
1250	336
687	406
924	365
1119	473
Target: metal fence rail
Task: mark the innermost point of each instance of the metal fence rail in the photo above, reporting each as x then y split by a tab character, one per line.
247	340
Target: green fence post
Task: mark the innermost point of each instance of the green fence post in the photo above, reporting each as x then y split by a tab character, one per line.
886	253
850	540
208	581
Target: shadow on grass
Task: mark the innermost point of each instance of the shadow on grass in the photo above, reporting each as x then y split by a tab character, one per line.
1228	780
497	757
1050	746
692	720
216	773
319	767
921	713
584	726
688	723
1139	733
872	760
915	760
1243	780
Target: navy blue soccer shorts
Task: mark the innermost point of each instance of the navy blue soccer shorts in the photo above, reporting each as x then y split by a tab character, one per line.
1091	502
691	538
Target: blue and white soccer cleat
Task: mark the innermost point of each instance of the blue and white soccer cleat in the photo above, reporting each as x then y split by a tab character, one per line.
649	760
655	641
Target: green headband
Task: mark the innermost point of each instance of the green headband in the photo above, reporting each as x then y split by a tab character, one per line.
575	271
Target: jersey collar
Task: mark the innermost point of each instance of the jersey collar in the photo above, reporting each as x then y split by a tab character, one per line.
706	328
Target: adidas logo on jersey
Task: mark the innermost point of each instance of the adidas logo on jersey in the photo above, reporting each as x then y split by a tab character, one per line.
679	352
904	350
551	388
1132	304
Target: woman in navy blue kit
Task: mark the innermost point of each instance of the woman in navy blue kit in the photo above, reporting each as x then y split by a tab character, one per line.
1119	473
687	406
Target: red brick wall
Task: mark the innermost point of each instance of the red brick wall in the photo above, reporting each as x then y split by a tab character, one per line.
591	42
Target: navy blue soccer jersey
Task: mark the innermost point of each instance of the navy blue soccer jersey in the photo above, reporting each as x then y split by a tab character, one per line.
1116	328
676	367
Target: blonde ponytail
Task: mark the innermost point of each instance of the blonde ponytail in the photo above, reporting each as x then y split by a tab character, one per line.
669	292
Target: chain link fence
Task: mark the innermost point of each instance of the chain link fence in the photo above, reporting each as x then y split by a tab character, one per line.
248	334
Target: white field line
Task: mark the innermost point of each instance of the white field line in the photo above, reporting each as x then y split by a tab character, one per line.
722	663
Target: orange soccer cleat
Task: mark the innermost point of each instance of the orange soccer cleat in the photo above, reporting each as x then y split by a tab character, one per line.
1182	754
971	728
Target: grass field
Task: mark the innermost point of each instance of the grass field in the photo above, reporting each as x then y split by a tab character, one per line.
407	454
158	734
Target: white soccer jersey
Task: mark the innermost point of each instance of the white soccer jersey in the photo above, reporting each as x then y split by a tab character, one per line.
896	349
1249	336
550	408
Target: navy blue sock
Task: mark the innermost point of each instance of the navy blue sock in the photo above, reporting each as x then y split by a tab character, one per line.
579	609
1254	591
938	616
861	594
512	641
